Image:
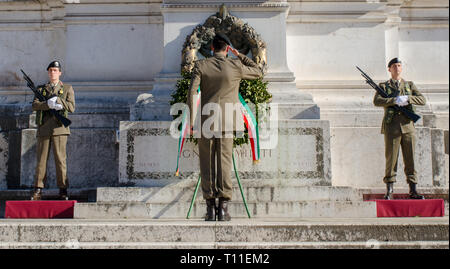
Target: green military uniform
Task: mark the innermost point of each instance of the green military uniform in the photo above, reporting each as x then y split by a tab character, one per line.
218	78
52	132
399	130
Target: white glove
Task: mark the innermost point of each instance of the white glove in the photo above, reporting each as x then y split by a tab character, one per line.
58	107
402	100
52	102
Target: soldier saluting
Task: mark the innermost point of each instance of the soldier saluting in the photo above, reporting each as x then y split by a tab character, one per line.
51	132
218	78
398	129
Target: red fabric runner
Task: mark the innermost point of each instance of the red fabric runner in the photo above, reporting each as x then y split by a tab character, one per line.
403	196
39	209
410	208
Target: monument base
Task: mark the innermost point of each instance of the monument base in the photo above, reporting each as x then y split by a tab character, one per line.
293	152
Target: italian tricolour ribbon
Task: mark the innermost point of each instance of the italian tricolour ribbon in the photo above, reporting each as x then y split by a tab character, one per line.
249	120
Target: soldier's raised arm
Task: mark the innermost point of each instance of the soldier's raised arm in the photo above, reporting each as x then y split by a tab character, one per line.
250	69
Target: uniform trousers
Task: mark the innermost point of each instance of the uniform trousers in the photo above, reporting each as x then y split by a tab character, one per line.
58	144
393	143
215	167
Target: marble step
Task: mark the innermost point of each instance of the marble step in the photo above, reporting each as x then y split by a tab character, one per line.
227	245
303	209
87	194
183	193
238	233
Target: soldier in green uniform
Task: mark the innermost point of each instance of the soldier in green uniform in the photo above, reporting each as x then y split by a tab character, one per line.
51	132
398	130
218	78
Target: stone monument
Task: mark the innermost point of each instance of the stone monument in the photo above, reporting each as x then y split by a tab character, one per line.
301	153
296	154
311	48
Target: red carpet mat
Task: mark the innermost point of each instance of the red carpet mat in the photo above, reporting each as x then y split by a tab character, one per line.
410	208
39	209
404	196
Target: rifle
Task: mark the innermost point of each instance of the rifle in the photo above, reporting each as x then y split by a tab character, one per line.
408	113
65	121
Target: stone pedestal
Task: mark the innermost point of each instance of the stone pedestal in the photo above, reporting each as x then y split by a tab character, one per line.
359	158
91	159
92	148
300	156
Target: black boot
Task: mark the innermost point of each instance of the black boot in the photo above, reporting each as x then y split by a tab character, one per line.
63	194
210	210
389	191
413	192
223	210
37	194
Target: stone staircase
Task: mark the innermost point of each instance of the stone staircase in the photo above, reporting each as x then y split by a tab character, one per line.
263	201
239	233
173	201
295	217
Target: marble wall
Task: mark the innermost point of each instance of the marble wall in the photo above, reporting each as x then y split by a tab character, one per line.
114	50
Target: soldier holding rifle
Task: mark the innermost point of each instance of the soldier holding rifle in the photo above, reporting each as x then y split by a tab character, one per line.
397	98
52	103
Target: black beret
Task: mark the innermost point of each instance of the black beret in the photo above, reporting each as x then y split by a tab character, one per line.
224	38
54	64
394	61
